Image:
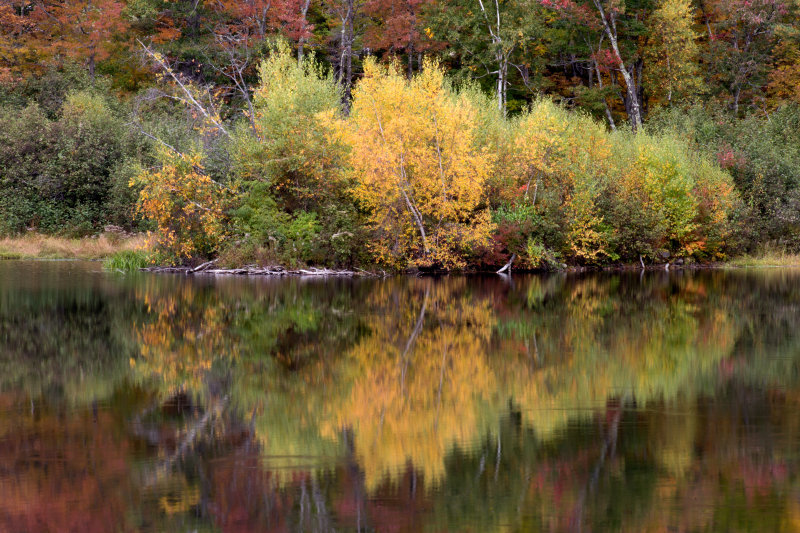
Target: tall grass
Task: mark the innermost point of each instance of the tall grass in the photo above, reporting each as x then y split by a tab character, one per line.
126	261
767	256
37	246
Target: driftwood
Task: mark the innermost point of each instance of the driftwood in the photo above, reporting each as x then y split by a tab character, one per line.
204	266
508	265
252	270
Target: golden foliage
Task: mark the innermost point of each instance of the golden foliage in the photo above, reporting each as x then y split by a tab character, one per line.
187	206
417	168
672	54
421	376
566	154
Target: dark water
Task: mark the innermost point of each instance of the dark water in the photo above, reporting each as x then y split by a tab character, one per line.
662	402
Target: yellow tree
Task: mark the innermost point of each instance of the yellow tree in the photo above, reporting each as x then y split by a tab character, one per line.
672	53
15	50
785	76
559	158
417	167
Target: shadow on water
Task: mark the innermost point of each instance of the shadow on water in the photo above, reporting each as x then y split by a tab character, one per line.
608	402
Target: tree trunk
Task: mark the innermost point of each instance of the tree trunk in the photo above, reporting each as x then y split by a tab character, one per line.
500	55
596	68
346	53
634	105
501	84
91	66
301	42
508	265
410	59
345	60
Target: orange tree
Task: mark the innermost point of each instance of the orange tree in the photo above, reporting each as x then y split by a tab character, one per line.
187	206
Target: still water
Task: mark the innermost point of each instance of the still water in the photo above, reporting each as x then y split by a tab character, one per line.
608	402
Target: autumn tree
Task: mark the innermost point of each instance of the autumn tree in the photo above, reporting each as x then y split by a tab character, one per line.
187	206
667	198
671	71
784	77
254	17
742	34
15	31
86	32
397	26
290	146
416	167
295	202
83	31
258	20
561	160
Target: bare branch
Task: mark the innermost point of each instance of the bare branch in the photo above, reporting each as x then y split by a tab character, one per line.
189	97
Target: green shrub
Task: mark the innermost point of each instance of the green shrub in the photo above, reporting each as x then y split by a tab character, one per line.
64	176
763	156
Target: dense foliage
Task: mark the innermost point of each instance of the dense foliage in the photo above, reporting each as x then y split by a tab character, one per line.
68	173
405	133
763	156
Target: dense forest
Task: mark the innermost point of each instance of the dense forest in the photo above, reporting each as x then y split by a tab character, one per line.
443	134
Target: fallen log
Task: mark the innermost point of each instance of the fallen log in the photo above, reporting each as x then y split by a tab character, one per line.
508	265
205	269
204	266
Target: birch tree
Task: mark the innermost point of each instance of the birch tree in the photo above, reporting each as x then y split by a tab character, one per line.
497	42
417	168
606	17
672	54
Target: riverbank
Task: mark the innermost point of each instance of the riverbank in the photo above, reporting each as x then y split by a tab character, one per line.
37	246
211	268
768	259
122	247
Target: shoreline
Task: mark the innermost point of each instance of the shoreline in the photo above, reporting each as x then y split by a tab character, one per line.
279	271
320	272
113	241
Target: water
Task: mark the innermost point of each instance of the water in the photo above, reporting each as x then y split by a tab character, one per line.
609	402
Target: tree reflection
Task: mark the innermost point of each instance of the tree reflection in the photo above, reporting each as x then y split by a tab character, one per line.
616	401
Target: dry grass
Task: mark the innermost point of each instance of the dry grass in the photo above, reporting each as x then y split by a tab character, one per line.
37	246
768	256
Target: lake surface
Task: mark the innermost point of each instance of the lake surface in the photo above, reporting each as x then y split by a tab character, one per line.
607	402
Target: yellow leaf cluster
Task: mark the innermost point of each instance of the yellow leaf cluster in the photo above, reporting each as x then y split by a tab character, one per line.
416	166
555	152
186	205
672	53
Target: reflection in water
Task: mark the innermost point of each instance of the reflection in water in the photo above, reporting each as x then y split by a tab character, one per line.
560	403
